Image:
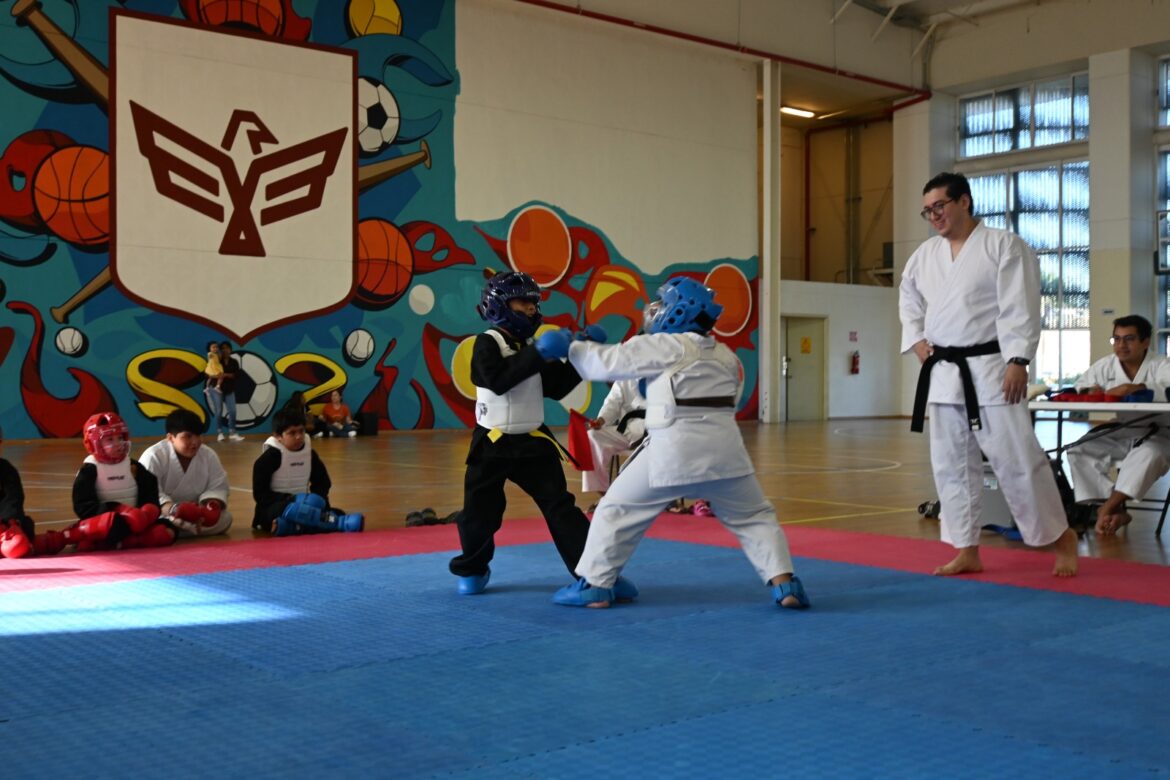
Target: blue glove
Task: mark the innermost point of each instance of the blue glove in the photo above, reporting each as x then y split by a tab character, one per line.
554	344
591	333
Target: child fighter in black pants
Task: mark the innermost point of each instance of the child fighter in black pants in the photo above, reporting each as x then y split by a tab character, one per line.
510	440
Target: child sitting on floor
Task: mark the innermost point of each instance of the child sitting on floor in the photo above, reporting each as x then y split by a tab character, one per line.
114	496
16	528
291	484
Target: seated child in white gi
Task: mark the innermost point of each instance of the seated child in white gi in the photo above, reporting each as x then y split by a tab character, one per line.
192	483
694	446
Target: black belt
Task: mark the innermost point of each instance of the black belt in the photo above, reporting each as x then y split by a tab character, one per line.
633	414
720	402
958	356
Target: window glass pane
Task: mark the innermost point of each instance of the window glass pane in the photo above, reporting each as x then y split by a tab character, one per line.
1164	92
1053	112
1075	289
989	194
1080	106
1010	135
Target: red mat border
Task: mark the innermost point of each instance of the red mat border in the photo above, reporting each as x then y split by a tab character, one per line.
1120	580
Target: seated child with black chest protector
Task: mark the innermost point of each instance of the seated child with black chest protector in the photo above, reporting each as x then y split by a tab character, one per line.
16	528
192	483
694	446
291	484
510	441
114	496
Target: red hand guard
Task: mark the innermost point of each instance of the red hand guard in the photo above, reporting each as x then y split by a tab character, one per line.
155	536
13	542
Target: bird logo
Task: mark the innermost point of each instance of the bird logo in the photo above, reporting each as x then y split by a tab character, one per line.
194	180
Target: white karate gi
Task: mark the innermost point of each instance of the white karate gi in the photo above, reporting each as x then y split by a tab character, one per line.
700	453
607	442
1140	467
990	291
203	479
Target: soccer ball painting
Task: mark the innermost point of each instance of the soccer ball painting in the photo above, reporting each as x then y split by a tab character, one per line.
255	390
377	116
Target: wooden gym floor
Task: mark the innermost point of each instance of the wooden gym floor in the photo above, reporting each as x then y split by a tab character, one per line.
852	474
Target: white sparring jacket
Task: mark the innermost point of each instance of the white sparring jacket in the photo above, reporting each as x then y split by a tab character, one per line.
520	410
115	482
295	467
687	444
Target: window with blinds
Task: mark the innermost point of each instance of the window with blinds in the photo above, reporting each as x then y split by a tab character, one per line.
1041	113
1048	206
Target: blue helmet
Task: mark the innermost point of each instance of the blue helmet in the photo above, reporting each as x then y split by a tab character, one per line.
503	287
683	306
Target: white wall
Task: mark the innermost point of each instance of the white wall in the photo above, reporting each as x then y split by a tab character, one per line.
1043	37
871	313
651	140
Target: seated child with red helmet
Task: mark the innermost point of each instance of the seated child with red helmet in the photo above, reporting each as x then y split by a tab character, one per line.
291	484
192	483
16	528
114	496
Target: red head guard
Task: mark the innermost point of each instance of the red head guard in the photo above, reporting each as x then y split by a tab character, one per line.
106	437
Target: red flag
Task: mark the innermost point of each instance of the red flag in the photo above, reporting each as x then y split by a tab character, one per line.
579	440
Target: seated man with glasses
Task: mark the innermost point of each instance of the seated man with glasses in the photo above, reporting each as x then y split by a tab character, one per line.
1141	450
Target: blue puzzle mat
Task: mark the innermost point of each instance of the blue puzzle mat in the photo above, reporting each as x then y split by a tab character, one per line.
377	668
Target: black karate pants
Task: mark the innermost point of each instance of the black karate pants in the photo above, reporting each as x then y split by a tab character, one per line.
483	509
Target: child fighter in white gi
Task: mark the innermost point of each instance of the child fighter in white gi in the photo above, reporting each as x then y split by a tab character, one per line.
192	483
977	291
693	447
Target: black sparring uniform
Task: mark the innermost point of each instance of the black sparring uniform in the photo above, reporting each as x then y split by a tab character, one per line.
530	460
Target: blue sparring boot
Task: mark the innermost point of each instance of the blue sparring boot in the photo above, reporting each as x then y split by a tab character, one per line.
793	588
474	584
582	594
304	510
347	523
624	590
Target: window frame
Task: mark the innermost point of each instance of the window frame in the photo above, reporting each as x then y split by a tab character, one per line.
1028	87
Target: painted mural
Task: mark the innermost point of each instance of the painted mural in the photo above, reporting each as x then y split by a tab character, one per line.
80	329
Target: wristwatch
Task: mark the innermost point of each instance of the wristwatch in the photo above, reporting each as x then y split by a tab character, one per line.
1019	361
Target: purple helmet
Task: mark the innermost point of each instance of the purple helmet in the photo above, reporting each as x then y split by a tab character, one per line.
503	287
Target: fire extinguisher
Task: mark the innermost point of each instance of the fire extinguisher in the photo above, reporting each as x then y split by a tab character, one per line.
855	363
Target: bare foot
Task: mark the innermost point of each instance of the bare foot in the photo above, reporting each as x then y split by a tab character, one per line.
966	562
1066	554
1107	525
598	605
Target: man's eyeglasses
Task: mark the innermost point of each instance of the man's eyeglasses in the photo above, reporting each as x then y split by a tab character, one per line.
1127	339
935	208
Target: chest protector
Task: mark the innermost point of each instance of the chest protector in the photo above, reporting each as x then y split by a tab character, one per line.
295	467
661	409
520	410
115	482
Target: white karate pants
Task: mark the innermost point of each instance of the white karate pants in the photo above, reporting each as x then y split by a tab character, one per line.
630	506
1090	463
1016	458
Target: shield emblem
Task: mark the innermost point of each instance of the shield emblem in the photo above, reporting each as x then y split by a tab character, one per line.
233	184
